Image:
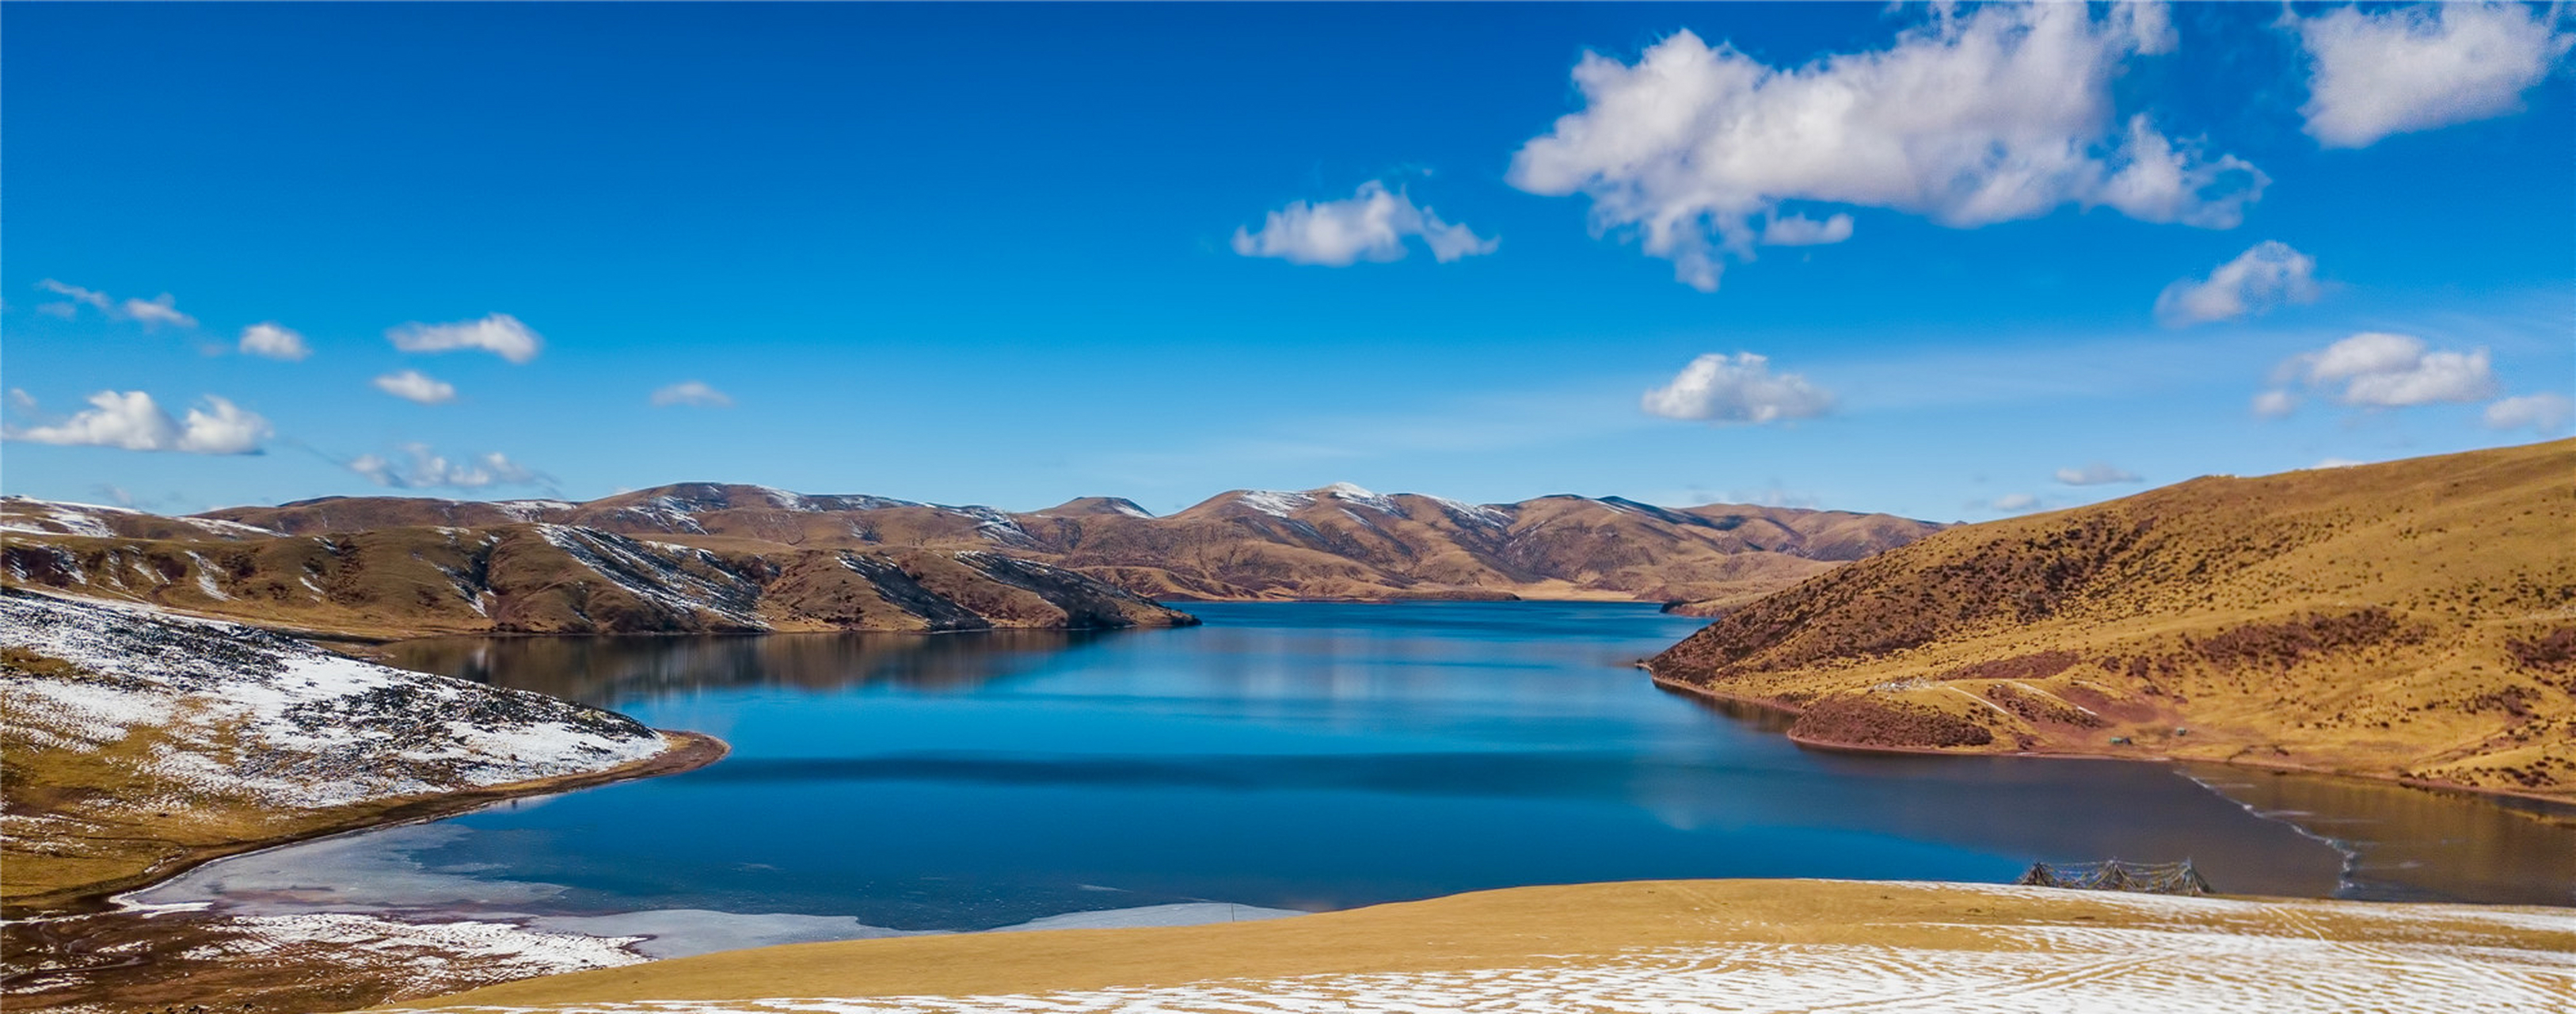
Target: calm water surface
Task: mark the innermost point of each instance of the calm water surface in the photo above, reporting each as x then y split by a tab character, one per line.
1294	756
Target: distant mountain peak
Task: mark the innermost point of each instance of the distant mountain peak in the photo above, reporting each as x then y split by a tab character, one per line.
1096	505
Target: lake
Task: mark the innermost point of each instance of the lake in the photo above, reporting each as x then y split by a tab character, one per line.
1286	757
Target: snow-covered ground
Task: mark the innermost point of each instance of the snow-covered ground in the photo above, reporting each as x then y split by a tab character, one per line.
2186	966
227	712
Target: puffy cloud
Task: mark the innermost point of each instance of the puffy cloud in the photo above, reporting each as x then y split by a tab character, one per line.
2000	114
2266	275
2372	75
1799	230
1738	388
1369	225
2374	369
2014	503
2096	474
133	421
499	334
413	385
273	341
418	467
692	392
2542	413
154	312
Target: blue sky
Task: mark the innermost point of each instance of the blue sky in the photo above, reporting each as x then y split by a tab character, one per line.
1012	255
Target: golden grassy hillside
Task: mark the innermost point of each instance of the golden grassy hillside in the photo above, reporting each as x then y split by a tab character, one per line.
2414	619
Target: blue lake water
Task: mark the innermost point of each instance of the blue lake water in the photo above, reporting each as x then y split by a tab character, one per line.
1296	756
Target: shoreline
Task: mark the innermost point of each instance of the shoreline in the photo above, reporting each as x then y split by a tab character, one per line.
2566	804
687	751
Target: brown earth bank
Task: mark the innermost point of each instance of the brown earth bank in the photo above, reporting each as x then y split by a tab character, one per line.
73	951
70	949
2414	620
1335	543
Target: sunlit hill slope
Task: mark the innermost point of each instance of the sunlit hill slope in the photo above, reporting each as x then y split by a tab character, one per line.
2414	619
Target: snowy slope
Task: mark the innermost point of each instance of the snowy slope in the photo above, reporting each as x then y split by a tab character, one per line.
210	712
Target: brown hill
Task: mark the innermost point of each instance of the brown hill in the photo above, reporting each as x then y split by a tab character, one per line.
538	578
2415	619
1339	542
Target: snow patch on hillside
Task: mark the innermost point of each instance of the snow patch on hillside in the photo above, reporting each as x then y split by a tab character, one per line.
1352	493
995	525
1473	514
656	573
529	510
230	712
1276	503
89	520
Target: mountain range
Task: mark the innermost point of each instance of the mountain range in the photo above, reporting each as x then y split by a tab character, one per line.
1337	542
708	557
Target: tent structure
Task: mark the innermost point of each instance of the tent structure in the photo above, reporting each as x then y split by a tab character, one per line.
2114	875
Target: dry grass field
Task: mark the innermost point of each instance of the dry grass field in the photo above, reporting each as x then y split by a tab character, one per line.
2415	620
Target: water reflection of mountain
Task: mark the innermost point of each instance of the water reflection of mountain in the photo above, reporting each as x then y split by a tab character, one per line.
610	671
2410	844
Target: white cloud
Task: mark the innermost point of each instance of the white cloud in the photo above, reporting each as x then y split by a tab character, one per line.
273	341
1799	230
2258	279
500	334
2545	414
1738	388
2418	68
692	392
1370	225
2325	463
2375	369
162	309
2096	474
135	422
2014	503
2000	114
77	294
151	313
417	467
413	385
2275	404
